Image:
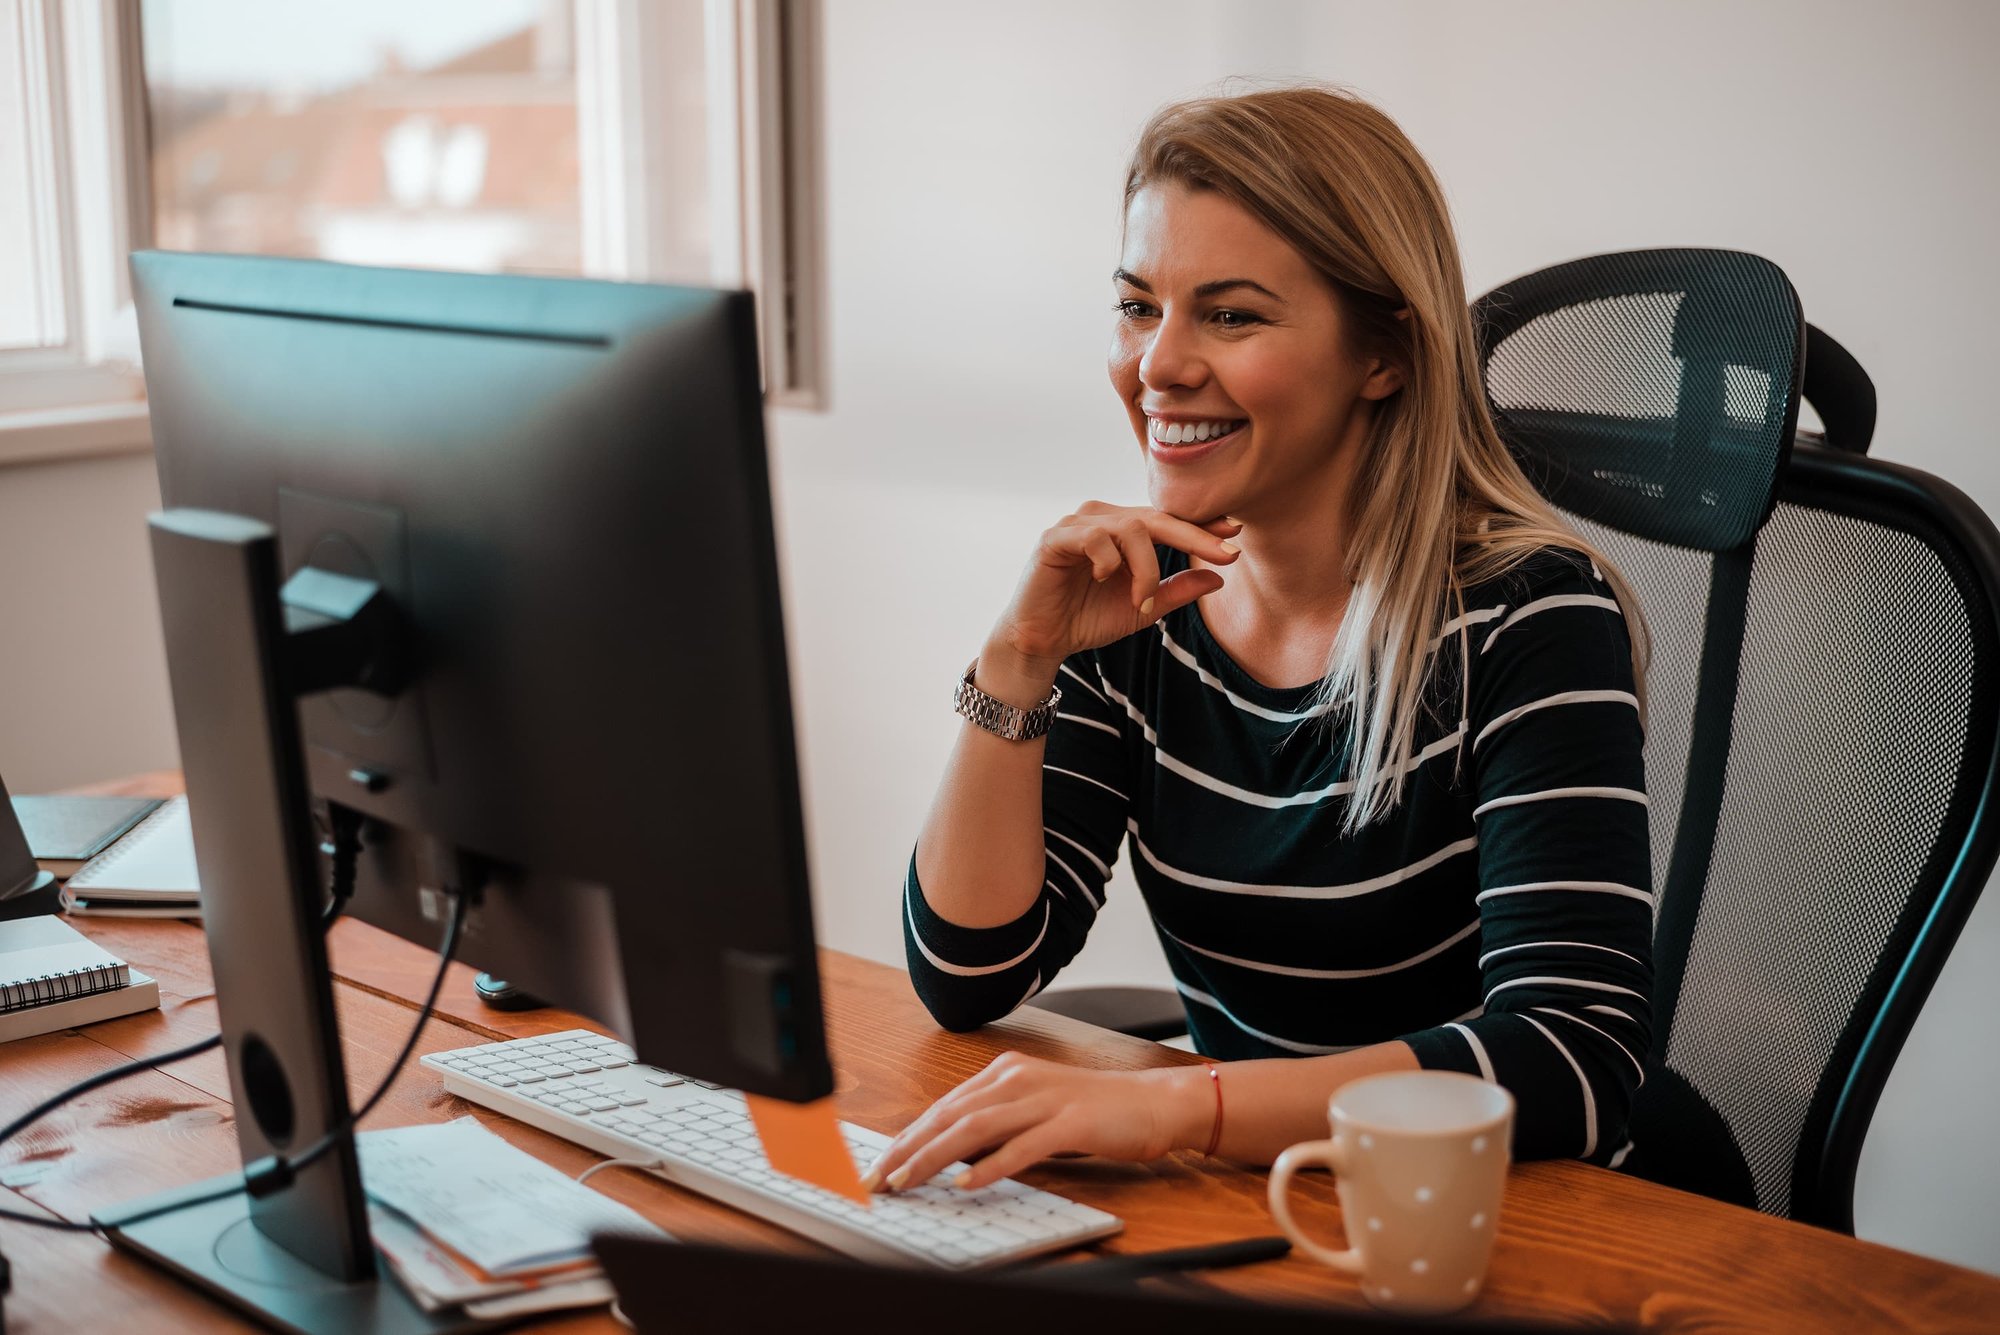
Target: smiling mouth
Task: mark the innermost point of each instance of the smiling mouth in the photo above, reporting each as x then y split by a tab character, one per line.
1171	434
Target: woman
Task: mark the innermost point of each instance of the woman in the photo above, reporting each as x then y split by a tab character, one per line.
1359	855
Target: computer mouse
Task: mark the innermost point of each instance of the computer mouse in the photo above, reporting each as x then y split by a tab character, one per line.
502	995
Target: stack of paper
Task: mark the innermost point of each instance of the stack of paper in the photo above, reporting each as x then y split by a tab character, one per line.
468	1221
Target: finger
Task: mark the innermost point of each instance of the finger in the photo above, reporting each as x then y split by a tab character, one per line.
965	1138
1194	539
1135	541
1041	1141
954	1104
1106	557
1082	544
1178	591
1224	527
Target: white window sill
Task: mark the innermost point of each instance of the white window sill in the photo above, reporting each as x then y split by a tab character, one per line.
74	433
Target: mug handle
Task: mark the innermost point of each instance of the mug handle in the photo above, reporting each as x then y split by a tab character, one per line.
1297	1157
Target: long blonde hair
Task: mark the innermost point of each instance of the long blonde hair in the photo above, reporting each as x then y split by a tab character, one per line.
1439	504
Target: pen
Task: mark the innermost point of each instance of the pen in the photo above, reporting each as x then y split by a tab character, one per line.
1114	1269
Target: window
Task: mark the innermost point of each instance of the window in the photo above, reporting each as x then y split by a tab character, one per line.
436	135
663	140
32	314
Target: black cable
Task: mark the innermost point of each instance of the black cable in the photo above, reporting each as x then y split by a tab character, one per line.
277	1171
98	1081
343	850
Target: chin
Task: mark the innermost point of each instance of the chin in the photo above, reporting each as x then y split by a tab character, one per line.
1197	505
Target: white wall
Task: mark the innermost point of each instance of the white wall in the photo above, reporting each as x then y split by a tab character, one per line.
974	157
83	675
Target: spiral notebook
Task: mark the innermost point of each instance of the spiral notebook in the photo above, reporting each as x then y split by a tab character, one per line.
151	871
45	959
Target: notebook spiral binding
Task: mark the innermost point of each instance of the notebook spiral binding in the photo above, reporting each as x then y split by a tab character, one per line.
40	990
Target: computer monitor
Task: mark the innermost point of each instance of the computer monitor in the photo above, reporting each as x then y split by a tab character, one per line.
533	515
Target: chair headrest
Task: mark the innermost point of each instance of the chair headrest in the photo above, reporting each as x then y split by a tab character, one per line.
1653	391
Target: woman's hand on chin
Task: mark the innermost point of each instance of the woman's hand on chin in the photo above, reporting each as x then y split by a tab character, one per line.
1021	1110
1094	579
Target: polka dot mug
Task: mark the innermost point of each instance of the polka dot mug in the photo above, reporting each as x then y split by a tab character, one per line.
1420	1159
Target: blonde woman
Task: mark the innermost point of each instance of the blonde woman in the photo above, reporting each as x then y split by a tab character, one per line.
1367	715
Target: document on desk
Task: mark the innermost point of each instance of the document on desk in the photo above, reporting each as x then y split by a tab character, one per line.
498	1207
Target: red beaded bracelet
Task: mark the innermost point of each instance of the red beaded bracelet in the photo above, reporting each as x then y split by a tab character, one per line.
1215	1137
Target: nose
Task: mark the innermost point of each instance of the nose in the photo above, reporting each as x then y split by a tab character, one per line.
1171	359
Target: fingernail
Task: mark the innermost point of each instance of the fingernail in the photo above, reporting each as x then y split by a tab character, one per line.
899	1178
871	1179
1233	520
1146	608
962	1179
1231	548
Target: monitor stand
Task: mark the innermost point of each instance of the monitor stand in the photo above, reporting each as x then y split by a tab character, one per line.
238	653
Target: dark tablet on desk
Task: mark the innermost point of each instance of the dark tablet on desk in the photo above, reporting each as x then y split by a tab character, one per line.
676	1287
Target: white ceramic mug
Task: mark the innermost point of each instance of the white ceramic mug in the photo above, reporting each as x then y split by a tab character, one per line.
1420	1159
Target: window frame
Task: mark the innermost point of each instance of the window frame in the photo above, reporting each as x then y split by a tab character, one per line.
83	395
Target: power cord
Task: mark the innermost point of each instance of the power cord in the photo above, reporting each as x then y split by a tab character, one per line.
275	1172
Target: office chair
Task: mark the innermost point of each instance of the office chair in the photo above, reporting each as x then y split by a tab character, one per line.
1823	725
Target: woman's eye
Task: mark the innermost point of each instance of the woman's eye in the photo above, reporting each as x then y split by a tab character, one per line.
1235	319
1134	310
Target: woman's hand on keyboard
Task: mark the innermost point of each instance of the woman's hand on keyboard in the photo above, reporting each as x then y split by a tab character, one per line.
1021	1110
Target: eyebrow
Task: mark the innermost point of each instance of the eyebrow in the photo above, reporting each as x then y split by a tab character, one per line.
1220	285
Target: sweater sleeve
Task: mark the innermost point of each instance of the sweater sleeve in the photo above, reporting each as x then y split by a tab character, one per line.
969	976
1565	879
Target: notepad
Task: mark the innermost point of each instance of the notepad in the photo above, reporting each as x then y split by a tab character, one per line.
150	870
44	960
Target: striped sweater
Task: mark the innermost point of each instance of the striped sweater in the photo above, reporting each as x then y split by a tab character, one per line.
1499	920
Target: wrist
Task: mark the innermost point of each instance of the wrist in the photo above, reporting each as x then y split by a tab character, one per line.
1187	1098
1014	678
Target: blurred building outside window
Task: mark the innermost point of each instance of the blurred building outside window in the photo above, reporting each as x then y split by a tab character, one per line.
657	140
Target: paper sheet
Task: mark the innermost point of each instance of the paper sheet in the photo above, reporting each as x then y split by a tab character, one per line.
500	1208
804	1140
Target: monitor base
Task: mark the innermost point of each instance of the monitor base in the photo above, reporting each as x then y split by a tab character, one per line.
216	1248
43	895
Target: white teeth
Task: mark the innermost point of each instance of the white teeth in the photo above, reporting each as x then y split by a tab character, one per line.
1177	433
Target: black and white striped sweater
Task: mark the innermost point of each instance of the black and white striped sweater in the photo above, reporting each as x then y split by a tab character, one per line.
1499	920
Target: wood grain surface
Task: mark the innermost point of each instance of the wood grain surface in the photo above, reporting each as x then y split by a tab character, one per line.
1578	1245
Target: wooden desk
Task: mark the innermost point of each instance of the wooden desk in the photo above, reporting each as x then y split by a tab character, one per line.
1577	1244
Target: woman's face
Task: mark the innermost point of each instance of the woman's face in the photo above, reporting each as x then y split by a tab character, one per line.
1231	356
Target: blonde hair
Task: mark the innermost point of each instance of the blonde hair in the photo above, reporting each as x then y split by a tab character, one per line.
1439	504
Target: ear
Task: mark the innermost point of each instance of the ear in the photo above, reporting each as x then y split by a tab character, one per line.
1383	379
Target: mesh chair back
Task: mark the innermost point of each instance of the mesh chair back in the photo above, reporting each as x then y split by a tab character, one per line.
1821	737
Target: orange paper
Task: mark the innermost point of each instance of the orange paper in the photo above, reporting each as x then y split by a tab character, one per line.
804	1141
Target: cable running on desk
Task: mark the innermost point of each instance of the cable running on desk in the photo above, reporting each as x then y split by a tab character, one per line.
278	1171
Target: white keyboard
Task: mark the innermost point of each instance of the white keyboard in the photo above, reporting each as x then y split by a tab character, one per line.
587	1089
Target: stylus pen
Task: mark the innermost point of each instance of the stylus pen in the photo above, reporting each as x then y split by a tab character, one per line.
1113	1269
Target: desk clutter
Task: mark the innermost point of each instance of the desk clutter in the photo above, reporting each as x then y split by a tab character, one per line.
150	873
52	978
466	1221
65	832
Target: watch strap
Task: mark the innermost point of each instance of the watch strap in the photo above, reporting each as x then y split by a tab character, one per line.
1000	718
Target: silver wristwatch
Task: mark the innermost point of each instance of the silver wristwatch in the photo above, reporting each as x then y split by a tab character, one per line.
1001	719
